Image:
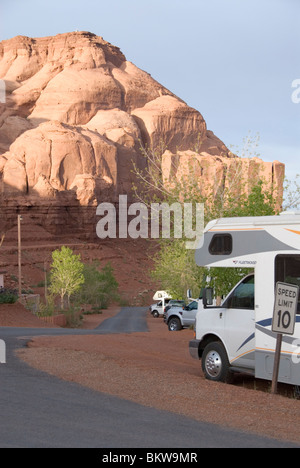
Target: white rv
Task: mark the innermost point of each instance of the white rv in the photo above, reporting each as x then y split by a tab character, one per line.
162	298
238	335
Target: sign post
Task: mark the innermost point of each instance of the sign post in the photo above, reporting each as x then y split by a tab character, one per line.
2	352
284	317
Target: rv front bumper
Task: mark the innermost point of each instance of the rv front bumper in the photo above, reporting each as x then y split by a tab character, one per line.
194	348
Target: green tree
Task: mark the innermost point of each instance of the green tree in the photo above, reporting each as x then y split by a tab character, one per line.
174	266
66	274
176	270
100	285
291	194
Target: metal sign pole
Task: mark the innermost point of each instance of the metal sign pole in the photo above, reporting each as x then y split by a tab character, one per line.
284	318
276	363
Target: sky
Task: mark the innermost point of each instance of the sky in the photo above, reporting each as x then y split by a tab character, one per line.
235	61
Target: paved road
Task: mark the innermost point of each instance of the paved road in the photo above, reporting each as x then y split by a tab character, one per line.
38	410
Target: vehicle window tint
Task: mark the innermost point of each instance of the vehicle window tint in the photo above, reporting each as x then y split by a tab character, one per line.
287	270
221	244
192	305
243	295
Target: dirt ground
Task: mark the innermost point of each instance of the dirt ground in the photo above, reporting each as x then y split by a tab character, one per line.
152	368
155	369
131	261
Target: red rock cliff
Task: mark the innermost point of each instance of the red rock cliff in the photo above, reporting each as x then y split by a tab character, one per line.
75	115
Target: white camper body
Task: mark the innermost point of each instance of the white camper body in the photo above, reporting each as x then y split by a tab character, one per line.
159	295
242	326
162	298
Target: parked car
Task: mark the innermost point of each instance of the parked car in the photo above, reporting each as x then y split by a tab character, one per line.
181	317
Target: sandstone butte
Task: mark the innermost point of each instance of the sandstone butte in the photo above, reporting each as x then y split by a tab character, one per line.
72	123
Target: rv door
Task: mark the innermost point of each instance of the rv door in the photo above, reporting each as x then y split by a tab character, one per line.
239	323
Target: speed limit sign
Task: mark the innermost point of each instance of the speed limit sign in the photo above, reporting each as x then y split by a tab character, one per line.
285	308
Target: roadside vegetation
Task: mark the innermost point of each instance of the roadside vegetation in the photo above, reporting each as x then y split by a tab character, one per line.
8	296
237	195
76	288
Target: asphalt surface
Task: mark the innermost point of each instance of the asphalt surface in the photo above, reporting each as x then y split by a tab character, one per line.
41	411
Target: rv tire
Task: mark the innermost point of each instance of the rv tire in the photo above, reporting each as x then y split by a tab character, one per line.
155	313
215	364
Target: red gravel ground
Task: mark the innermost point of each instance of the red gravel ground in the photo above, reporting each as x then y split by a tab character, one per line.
156	370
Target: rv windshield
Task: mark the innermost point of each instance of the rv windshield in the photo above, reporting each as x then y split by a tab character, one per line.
287	270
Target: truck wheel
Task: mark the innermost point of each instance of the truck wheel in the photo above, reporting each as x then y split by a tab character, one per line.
215	364
155	313
174	324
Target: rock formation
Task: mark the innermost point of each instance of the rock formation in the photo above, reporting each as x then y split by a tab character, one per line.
75	115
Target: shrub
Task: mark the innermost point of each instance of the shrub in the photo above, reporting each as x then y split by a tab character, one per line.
73	316
47	309
100	286
8	296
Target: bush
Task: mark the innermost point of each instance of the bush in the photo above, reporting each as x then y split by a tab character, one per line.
8	296
100	286
47	309
73	316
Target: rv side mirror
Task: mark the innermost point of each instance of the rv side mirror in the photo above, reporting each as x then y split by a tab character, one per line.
189	293
207	296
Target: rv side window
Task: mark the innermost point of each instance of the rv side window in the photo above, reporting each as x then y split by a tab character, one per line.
221	244
287	270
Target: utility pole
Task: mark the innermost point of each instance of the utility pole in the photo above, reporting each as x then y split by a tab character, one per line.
45	273
19	253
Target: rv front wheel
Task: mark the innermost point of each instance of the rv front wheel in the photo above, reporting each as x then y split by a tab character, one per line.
215	364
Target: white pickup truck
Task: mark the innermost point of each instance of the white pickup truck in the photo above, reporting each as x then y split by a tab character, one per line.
181	317
158	309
